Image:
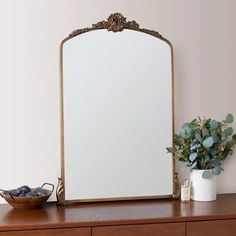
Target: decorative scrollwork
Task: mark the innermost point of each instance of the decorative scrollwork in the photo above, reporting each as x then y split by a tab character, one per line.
60	192
116	22
176	193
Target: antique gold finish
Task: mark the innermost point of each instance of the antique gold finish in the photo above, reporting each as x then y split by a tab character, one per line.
60	192
176	183
116	23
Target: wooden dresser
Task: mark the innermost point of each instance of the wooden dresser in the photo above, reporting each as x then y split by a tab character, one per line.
136	218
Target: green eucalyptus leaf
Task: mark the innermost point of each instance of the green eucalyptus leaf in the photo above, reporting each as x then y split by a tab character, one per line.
198	137
215	138
214	124
177	138
195	146
216	162
194	165
230	143
205	132
207	159
224	154
186	128
216	170
182	159
206	174
228	131
208	121
170	149
187	135
208	142
234	137
224	141
192	126
223	157
192	156
229	118
213	152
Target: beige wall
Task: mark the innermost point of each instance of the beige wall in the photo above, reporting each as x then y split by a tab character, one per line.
203	34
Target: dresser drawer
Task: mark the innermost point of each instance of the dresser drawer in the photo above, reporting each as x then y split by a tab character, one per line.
212	228
50	232
168	229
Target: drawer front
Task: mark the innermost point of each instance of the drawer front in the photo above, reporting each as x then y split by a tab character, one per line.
212	228
168	229
50	232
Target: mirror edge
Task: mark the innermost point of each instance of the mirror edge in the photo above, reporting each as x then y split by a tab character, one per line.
116	22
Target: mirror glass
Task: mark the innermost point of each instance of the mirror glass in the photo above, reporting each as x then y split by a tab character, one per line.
117	116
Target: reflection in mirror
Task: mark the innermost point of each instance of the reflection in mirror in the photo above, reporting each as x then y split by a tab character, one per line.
117	116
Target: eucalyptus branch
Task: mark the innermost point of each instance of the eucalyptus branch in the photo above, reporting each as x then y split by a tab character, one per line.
205	143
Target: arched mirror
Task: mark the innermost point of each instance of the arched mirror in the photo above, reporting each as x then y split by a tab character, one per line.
117	113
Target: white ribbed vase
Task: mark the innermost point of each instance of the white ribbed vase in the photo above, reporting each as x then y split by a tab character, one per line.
202	189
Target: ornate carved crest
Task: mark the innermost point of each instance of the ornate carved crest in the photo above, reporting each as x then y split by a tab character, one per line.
115	22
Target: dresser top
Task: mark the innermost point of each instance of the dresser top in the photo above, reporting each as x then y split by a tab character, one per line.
116	213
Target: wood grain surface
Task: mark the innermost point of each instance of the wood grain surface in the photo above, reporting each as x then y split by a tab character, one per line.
164	229
212	228
117	213
51	232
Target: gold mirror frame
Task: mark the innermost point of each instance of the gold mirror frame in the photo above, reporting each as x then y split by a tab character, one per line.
116	22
